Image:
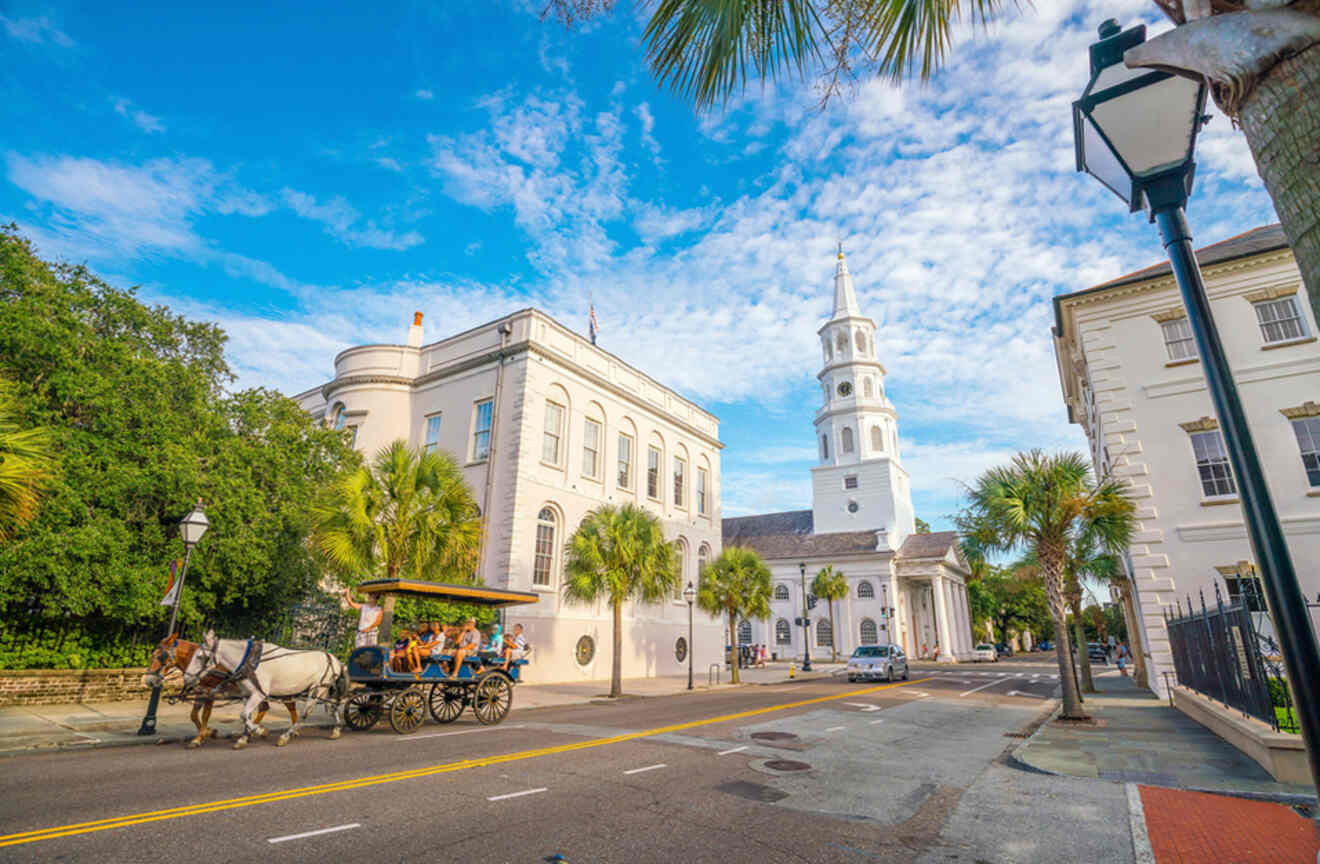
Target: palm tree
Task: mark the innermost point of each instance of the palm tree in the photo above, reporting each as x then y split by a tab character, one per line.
830	584
1044	503
619	554
1262	61
407	514
26	464
736	584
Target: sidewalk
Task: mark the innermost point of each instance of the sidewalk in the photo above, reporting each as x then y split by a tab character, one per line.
1182	782
33	728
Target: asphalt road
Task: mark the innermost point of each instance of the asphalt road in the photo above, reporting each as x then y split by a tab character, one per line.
847	772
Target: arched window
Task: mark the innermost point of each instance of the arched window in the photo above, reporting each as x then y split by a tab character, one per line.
824	635
783	632
781	592
703	558
865	591
867	390
824	448
860	338
544	562
745	632
877	439
337	416
894	438
847	438
680	552
841	342
829	352
869	636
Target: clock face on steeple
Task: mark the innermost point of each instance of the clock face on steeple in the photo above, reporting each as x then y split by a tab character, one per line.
845	388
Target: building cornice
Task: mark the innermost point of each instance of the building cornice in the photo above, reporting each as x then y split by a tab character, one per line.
1306	409
1205	424
876	364
1272	293
845	319
1173	313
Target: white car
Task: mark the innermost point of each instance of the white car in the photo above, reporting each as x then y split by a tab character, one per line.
985	651
878	662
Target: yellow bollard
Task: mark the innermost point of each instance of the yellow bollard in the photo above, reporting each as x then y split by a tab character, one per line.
792	673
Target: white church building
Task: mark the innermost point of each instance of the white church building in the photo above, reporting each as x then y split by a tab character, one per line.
547	427
905	588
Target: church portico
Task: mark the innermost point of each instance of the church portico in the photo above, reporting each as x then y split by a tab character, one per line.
903	587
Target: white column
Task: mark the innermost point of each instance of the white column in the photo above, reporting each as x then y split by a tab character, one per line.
938	585
967	619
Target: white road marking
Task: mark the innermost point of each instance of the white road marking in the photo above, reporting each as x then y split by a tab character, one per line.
873	722
835	728
516	794
1021	693
347	827
863	706
647	768
733	750
1141	850
983	686
445	734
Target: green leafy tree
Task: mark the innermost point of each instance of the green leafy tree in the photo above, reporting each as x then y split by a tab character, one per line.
922	526
136	401
735	585
26	464
830	585
408	515
1044	503
1262	62
619	554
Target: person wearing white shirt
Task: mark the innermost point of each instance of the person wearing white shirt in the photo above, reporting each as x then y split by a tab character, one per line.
369	619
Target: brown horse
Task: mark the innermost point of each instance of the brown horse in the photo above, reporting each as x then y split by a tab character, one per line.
175	653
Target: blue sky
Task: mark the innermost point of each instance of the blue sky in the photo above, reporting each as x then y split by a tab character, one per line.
307	176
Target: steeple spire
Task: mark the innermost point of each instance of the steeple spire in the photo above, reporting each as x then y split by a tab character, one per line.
845	300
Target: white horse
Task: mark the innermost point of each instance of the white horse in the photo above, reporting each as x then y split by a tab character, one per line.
284	674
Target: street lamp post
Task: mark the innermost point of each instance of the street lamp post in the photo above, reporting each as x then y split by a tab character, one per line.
191	529
689	594
806	623
1135	131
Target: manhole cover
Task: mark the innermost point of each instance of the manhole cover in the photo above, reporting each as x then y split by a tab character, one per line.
786	765
753	791
773	736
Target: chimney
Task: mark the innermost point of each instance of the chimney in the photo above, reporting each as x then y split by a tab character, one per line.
415	331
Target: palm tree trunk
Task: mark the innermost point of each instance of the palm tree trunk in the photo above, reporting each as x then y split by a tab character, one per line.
733	650
1281	119
1072	700
1083	657
616	668
834	636
1136	648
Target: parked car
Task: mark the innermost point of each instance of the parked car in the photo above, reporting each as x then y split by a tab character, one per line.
873	662
1003	649
1096	652
1046	645
985	651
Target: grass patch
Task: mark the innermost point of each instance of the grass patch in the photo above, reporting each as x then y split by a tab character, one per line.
1286	719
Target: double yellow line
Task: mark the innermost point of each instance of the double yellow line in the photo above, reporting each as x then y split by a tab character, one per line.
444	768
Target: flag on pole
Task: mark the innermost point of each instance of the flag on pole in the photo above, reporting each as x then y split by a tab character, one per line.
593	327
172	592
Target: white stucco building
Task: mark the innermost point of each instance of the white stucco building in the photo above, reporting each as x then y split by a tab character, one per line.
904	587
547	427
1131	378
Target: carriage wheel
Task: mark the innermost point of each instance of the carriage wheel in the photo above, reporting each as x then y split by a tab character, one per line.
407	711
492	698
363	711
447	702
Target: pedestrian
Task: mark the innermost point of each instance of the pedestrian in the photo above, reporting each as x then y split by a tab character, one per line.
369	619
1122	659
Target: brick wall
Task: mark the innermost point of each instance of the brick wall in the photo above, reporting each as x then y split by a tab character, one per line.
57	686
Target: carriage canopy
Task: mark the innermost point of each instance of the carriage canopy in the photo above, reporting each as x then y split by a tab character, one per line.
477	595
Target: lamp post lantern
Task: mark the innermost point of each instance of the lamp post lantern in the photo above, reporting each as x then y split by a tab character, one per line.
191	529
689	594
806	622
1135	131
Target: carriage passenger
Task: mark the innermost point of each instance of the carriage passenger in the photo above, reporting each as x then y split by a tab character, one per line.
469	645
406	654
432	641
515	646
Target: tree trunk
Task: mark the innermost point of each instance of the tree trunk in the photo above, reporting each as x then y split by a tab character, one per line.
834	636
1281	119
733	650
1083	658
1072	700
1136	648
616	668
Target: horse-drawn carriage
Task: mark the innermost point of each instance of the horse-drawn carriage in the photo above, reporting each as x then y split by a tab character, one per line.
406	697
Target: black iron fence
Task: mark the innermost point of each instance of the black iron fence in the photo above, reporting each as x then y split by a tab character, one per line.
1216	653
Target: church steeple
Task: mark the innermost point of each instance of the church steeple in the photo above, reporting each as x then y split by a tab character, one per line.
845	299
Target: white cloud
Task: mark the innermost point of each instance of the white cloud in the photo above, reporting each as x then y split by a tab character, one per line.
425	95
389	164
141	119
341	222
36	30
647	119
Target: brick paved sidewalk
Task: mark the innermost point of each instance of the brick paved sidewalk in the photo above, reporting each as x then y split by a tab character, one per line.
1198	827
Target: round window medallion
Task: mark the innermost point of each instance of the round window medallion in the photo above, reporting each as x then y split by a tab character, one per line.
845	389
585	650
852	507
680	649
